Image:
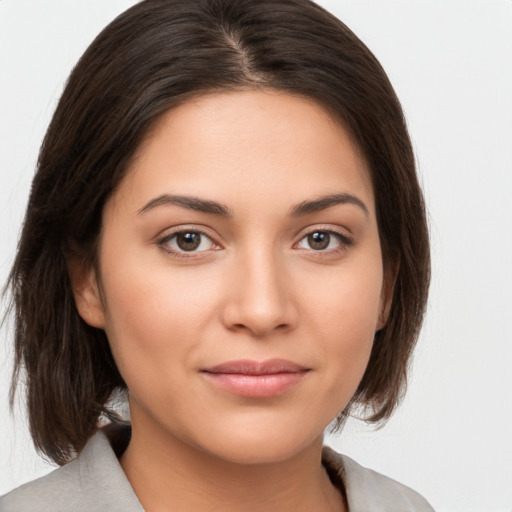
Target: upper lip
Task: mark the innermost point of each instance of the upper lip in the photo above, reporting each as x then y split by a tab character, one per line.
248	367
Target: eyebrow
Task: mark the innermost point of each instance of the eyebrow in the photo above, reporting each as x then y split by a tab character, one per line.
214	208
324	202
190	202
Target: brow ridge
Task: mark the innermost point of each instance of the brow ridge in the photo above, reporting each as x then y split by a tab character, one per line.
215	208
324	202
190	202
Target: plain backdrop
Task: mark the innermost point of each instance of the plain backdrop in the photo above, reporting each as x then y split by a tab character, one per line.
451	64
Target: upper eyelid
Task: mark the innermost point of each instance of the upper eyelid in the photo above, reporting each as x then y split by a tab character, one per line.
342	232
342	238
173	231
163	239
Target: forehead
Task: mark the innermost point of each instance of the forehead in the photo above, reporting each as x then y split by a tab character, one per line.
262	146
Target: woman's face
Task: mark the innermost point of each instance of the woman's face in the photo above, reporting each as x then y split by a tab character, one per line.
241	275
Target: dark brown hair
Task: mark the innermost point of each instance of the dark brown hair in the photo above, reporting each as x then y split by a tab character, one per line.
153	57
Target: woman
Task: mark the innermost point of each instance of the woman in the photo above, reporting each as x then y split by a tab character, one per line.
225	222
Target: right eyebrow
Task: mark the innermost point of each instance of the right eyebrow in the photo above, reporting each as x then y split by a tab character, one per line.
190	202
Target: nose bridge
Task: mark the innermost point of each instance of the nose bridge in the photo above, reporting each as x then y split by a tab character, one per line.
260	299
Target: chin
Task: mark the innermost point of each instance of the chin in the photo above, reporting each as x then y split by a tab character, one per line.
261	446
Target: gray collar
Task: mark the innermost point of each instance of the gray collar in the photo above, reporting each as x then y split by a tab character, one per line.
95	482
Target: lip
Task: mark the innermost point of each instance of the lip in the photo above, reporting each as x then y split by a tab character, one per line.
255	379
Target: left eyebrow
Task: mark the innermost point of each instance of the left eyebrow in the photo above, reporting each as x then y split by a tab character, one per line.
324	202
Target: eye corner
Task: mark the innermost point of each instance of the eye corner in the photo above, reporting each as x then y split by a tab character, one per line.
187	247
329	241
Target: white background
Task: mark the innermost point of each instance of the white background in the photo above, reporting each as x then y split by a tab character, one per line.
451	64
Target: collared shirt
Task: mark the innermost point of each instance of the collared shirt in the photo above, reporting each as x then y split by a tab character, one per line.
95	482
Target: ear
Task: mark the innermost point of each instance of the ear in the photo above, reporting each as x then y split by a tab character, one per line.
86	291
386	298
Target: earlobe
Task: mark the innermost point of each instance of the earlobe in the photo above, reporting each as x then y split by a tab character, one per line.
386	300
384	314
86	291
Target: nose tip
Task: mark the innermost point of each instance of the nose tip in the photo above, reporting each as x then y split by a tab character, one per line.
260	302
260	324
260	314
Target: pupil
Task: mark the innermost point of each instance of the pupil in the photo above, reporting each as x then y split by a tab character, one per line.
188	241
319	240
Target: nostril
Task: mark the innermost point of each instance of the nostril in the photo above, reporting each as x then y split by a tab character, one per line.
259	305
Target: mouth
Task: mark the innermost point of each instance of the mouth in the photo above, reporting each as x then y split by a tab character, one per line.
255	379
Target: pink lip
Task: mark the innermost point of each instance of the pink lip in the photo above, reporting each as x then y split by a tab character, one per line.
255	379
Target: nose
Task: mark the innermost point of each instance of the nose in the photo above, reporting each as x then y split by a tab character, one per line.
260	299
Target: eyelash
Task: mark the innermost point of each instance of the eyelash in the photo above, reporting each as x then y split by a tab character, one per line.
162	243
344	240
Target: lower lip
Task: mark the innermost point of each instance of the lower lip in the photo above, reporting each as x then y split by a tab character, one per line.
255	386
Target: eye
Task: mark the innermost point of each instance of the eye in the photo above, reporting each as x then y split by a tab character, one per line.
323	241
190	241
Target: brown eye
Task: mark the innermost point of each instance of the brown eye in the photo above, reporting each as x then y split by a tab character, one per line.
319	240
188	240
324	241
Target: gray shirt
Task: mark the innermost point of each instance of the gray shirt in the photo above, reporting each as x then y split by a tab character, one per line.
95	482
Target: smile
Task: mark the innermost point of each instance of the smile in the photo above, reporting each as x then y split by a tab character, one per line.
256	379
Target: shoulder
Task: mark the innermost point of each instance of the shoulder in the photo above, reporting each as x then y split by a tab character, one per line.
368	490
94	481
59	490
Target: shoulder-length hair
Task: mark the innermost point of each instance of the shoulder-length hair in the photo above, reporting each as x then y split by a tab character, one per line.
156	55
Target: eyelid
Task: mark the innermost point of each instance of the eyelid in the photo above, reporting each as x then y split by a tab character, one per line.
327	228
345	240
167	235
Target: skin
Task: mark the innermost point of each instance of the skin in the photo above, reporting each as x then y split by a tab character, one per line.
254	289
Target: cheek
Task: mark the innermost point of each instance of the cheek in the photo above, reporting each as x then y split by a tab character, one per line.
346	299
155	317
343	315
157	323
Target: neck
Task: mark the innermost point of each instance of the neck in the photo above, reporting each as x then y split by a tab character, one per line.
168	473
